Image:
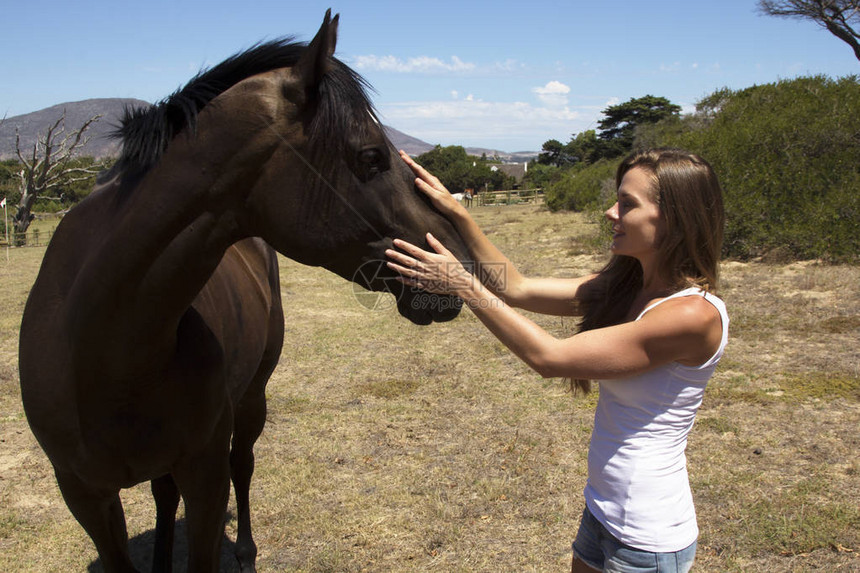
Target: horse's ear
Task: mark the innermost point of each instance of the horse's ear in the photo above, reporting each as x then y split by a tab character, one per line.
316	61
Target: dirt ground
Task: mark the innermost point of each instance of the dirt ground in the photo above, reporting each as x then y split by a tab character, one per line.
393	447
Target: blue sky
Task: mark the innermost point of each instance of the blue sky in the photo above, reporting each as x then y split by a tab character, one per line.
503	75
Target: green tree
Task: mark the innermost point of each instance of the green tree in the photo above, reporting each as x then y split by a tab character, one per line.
540	175
618	127
9	169
585	147
459	171
552	153
441	158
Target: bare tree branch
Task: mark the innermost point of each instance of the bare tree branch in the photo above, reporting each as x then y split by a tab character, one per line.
47	166
840	17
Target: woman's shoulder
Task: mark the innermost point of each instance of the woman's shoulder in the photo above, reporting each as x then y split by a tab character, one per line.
697	303
693	300
690	307
695	321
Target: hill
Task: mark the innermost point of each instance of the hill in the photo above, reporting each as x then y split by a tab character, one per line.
101	144
409	144
414	146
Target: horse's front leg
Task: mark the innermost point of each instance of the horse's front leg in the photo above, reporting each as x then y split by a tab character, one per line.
250	419
204	482
100	513
166	496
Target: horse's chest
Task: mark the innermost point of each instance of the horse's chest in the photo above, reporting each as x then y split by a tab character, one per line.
134	444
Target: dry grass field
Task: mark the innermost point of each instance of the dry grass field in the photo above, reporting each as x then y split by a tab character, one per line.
393	447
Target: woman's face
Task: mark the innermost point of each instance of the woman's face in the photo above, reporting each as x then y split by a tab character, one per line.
636	222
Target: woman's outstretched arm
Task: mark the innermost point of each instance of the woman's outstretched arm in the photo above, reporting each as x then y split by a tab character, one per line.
544	295
685	330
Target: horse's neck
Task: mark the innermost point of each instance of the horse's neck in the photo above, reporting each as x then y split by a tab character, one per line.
160	245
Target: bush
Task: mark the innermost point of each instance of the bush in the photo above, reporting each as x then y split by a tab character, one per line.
583	188
459	171
787	157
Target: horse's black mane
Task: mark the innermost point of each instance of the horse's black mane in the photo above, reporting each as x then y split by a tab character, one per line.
146	132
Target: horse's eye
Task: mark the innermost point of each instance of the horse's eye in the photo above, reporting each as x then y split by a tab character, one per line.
370	157
370	162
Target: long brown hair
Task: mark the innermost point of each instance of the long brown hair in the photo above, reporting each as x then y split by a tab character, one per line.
686	189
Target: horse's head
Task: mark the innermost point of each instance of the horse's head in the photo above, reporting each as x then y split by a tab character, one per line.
281	142
331	190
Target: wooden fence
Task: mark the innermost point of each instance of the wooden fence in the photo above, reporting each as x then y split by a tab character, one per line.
510	197
34	238
38	234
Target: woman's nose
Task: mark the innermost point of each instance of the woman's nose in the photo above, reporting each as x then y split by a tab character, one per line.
612	212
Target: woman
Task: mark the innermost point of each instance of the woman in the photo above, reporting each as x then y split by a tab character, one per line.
652	332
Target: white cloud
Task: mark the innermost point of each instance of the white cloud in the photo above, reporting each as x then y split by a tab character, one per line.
553	94
455	95
510	126
432	65
420	64
509	65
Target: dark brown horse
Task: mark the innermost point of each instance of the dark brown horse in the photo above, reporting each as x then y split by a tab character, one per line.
156	321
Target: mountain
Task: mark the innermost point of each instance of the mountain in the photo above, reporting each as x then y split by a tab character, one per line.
31	125
414	146
409	144
505	156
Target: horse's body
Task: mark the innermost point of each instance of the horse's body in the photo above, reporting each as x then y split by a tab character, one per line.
156	319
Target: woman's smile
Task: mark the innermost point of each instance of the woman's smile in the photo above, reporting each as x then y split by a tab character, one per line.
636	220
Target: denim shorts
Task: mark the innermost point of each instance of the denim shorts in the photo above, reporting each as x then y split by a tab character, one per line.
597	548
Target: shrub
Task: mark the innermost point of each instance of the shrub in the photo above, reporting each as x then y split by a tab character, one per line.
583	188
787	157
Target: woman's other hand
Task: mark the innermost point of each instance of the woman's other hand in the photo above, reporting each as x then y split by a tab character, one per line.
430	185
438	273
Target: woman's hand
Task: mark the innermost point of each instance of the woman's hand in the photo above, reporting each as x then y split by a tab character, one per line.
430	185
438	273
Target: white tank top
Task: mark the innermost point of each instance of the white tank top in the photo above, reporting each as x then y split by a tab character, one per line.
637	471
